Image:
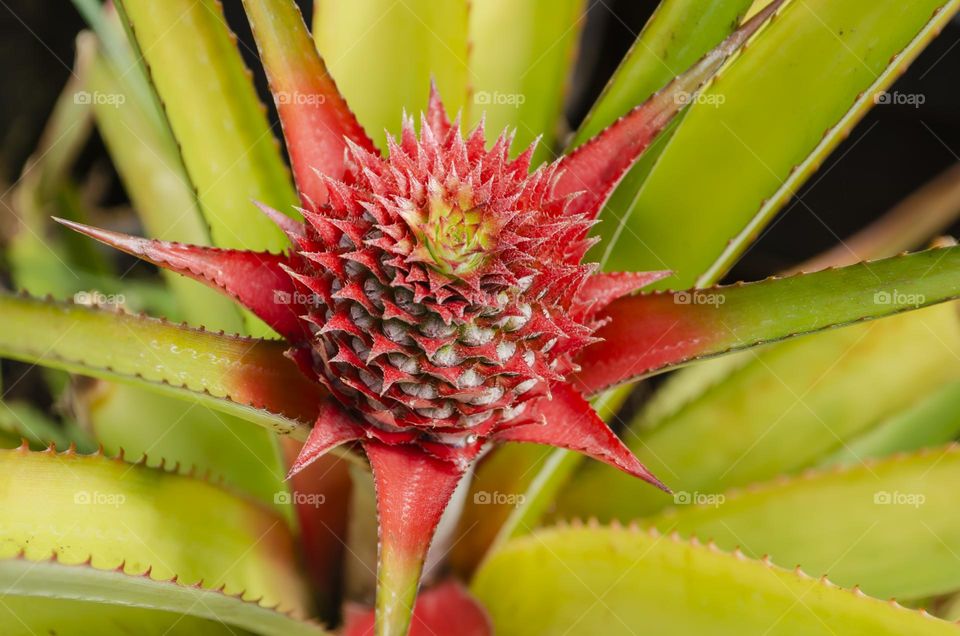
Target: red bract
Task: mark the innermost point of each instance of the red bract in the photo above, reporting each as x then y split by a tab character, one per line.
438	293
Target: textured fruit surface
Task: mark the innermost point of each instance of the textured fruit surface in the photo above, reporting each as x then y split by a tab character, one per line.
442	282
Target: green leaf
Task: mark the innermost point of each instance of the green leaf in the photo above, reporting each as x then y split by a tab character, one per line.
933	420
678	34
383	55
761	129
622	581
521	57
51	598
148	161
245	377
897	426
218	121
111	37
115	515
775	410
233	450
889	526
651	332
665	327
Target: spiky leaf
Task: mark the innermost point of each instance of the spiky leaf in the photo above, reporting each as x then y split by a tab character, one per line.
623	581
651	332
148	161
43	597
316	119
775	410
761	129
888	526
145	520
247	377
227	145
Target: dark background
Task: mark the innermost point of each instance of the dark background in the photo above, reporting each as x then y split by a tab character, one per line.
892	152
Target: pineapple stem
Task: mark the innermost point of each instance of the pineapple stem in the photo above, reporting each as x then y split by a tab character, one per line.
413	490
398	578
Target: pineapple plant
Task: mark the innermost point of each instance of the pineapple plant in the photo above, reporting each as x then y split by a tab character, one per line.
440	323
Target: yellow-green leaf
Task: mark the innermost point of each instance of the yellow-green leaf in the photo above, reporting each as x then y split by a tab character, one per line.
137	519
616	581
760	130
521	57
246	377
889	526
220	125
42	597
383	54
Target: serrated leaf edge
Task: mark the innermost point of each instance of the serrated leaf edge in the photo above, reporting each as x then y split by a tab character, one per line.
637	529
897	66
284	424
174	580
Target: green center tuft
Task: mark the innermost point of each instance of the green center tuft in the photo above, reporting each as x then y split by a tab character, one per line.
455	236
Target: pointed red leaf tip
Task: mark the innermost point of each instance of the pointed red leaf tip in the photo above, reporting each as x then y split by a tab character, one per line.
645	333
437	117
596	167
413	490
445	610
255	279
599	290
334	426
568	421
316	118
